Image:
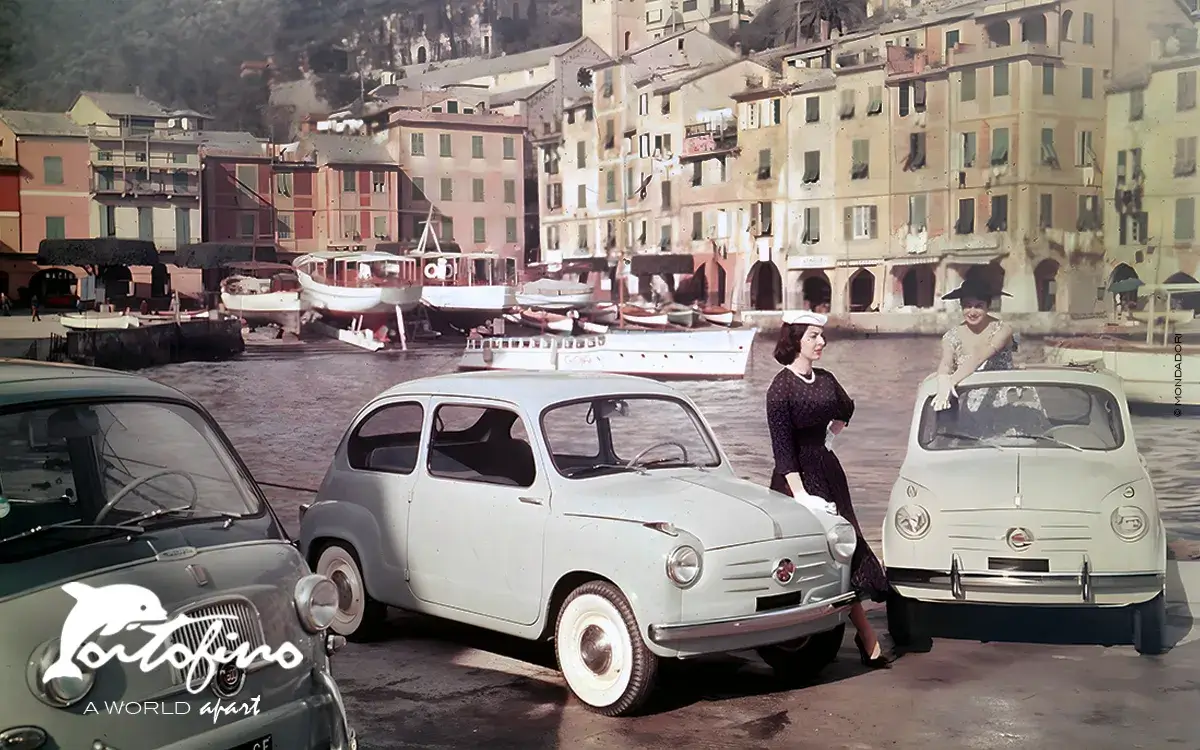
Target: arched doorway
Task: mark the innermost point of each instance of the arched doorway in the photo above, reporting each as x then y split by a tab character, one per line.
992	277
1121	272
862	291
1188	301
917	284
420	55
54	287
160	281
694	288
766	286
815	289
1045	280
117	281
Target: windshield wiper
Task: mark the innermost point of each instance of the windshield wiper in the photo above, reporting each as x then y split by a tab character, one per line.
597	467
973	438
71	525
165	511
672	463
1047	438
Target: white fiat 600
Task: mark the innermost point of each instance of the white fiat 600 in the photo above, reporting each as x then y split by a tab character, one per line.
596	510
1028	490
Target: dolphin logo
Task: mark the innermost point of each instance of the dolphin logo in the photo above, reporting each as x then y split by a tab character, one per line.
107	609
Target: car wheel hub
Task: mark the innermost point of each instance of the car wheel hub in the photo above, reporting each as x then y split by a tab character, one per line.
595	650
344	588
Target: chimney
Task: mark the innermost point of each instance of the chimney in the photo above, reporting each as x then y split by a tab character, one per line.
824	30
137	91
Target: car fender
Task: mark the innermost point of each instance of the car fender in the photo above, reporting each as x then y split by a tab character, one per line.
349	523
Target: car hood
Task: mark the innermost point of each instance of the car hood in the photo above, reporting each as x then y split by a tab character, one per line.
720	510
1060	479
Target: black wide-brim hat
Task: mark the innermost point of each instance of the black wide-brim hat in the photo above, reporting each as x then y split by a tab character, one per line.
973	289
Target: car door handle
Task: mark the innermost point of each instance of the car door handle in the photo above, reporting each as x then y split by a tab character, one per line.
530	500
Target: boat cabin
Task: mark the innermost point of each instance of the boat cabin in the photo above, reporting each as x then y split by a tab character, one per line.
270	277
370	269
445	268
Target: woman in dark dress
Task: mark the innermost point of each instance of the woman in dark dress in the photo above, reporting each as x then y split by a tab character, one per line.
805	405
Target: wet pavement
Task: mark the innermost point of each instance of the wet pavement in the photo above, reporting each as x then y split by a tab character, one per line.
431	684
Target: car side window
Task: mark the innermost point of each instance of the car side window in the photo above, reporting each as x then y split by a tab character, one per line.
481	444
388	440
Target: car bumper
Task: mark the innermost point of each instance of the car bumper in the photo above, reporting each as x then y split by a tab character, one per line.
316	723
751	630
1084	588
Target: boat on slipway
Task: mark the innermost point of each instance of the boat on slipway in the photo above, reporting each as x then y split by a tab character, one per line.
699	354
347	285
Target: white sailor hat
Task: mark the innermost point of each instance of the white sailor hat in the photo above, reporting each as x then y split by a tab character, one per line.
805	317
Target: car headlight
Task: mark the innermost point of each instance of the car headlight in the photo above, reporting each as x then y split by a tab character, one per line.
316	602
912	521
1129	523
683	566
65	690
842	542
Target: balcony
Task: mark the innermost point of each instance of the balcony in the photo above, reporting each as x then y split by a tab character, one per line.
905	63
977	54
146	187
138	133
706	139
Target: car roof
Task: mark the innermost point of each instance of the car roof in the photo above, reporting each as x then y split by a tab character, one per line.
25	381
1036	373
532	390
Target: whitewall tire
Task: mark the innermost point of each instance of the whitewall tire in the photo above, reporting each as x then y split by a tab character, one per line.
600	650
359	617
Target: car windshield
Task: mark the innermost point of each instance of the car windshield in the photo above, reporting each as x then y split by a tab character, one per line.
629	433
76	466
1057	416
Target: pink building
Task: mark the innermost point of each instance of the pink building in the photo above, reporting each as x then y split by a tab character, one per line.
52	157
471	169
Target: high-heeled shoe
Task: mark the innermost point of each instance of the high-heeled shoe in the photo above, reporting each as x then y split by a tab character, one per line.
883	661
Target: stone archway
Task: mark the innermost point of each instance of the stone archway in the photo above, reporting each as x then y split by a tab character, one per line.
861	290
991	275
766	286
117	281
54	287
1121	272
1045	281
1187	301
815	289
917	285
421	54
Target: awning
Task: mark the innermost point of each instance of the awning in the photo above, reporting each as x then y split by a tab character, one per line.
973	260
859	262
407	246
217	254
916	260
662	263
101	251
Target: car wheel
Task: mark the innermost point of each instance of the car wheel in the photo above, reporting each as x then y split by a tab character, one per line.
904	624
1150	626
805	657
600	650
359	617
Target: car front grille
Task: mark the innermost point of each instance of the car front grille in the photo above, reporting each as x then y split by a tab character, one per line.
245	623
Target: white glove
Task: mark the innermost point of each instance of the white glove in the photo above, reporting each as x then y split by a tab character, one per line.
941	401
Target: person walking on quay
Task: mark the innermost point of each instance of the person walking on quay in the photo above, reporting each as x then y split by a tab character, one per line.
33	306
806	406
5	304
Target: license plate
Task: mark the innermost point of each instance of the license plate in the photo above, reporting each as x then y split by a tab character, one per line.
262	743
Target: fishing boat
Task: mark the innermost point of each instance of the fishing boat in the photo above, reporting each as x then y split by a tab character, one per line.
461	290
681	315
718	316
701	354
602	312
98	321
555	294
347	285
640	316
546	321
1160	371
263	293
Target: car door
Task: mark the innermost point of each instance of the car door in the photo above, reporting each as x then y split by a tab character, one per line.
381	454
478	512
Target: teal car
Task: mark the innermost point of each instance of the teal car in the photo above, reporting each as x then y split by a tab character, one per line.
149	596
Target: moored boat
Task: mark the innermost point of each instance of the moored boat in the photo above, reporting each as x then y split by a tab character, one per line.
98	321
555	294
681	315
547	321
640	316
263	293
351	284
718	316
713	353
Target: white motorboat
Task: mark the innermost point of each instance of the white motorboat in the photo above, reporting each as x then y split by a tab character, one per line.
98	321
1160	373
555	294
263	293
463	289
343	284
713	353
640	316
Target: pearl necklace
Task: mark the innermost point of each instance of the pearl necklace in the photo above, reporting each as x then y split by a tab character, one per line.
812	376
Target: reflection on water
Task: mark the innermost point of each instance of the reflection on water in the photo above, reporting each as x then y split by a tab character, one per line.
287	414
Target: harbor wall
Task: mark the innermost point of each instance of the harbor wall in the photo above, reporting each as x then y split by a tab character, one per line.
935	323
159	344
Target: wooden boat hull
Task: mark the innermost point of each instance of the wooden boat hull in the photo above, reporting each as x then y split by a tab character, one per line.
97	321
714	354
550	322
718	318
1151	374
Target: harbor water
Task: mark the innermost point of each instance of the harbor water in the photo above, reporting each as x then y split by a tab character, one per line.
286	412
